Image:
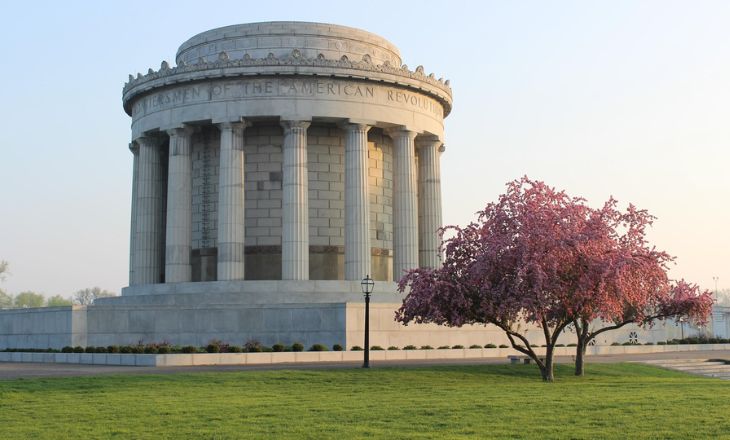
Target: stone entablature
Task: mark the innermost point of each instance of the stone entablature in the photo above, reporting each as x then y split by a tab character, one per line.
294	64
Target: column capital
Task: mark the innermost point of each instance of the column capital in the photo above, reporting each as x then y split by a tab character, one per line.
147	141
401	132
292	124
428	141
234	125
181	131
355	126
134	147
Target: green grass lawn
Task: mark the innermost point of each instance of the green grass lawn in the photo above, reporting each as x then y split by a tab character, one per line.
501	401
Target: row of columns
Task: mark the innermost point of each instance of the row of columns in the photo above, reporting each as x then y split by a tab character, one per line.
410	214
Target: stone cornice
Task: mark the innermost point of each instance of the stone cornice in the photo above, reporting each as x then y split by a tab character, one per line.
294	64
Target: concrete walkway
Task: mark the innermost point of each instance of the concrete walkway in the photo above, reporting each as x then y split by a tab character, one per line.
704	367
14	370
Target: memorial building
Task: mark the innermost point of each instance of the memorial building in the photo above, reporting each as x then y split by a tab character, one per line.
275	165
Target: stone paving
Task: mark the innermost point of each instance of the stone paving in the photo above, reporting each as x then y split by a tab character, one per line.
16	370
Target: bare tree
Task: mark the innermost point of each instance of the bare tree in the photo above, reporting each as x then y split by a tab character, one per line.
6	300
3	269
87	296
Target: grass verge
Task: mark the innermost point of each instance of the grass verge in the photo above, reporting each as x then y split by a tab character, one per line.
489	401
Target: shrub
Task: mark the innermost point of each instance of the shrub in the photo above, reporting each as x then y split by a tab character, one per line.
661	343
151	349
89	349
649	343
78	349
189	349
214	346
125	349
112	349
337	347
67	349
615	344
490	346
234	349
444	347
572	344
318	347
356	348
457	346
297	346
376	348
627	343
475	346
393	347
410	347
100	350
278	347
503	346
426	347
253	346
164	349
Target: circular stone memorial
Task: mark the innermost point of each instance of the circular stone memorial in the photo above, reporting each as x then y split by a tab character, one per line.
284	151
275	166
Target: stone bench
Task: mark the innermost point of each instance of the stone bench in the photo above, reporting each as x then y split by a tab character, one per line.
515	359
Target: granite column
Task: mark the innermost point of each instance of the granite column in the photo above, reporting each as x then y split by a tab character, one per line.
231	212
357	204
134	148
429	201
295	202
147	249
405	209
178	242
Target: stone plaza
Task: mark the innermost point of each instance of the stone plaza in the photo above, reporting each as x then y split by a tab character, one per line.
274	167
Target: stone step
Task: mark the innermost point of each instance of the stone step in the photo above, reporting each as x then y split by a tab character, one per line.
675	361
697	365
701	367
706	371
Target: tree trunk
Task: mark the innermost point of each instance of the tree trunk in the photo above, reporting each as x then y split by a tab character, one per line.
547	372
580	353
546	368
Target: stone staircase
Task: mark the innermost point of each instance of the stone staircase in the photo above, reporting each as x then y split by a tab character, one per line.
705	367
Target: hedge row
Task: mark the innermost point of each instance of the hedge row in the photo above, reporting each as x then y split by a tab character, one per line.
216	346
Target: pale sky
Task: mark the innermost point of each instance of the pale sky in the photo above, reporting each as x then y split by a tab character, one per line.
622	98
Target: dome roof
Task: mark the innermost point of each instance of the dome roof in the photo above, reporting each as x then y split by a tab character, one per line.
280	38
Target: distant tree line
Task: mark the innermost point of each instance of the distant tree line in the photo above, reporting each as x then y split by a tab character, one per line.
29	299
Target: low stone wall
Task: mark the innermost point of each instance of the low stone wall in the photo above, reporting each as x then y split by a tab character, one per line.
169	360
46	327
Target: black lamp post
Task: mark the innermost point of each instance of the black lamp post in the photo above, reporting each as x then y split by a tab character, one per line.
367	285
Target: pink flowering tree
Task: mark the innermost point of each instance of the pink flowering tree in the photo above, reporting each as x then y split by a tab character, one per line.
540	257
682	299
619	279
506	269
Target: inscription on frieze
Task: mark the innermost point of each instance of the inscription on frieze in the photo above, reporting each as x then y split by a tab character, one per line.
283	88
